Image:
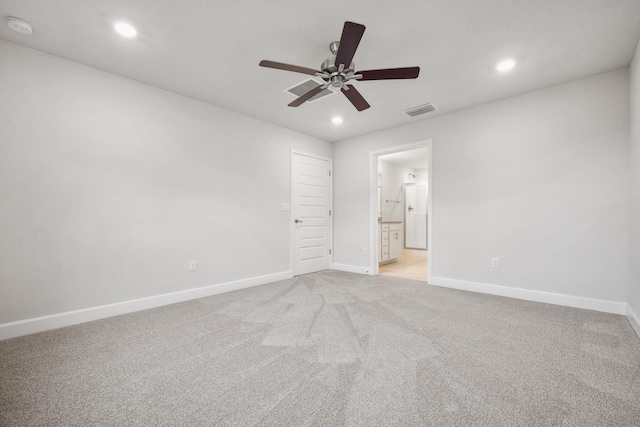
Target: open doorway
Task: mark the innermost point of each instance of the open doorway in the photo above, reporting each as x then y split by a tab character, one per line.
402	204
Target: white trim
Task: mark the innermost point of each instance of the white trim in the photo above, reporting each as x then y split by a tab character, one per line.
351	268
292	243
313	156
531	295
373	205
634	319
54	321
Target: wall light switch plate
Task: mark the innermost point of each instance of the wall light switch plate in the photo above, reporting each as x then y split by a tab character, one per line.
285	207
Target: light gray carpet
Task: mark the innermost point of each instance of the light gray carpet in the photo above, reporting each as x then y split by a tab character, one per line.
330	349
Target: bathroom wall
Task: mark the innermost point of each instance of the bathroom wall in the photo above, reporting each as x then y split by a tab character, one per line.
393	176
422	175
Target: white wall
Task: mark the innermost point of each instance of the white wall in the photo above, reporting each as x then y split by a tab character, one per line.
108	187
539	180
634	156
422	175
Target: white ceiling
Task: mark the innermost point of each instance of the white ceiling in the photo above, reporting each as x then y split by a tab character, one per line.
416	158
210	49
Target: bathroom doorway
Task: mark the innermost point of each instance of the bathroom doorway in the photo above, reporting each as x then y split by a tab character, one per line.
401	202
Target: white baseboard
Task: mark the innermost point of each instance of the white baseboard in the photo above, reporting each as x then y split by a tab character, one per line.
531	295
351	268
54	321
634	319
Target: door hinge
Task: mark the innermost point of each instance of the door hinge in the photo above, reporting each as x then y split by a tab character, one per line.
329	212
329	173
329	251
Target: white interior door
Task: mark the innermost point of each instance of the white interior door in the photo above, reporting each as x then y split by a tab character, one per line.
311	211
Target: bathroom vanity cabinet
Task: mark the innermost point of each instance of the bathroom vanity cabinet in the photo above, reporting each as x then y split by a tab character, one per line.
390	238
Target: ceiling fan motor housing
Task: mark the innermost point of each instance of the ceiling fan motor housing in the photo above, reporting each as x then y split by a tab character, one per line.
332	73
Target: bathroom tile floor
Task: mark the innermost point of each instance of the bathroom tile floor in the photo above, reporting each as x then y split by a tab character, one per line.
412	264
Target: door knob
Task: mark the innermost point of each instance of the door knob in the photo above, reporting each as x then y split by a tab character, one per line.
297	221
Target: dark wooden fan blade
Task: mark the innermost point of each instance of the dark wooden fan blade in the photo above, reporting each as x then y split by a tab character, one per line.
391	73
307	96
351	36
287	67
356	99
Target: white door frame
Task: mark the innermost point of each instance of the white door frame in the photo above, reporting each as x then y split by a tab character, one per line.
292	231
374	205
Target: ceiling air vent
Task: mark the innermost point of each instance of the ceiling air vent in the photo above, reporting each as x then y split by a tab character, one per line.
420	109
304	87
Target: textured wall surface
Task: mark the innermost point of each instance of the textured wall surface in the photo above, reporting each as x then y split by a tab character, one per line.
634	159
108	187
538	180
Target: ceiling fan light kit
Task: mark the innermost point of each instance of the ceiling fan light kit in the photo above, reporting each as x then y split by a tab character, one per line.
339	69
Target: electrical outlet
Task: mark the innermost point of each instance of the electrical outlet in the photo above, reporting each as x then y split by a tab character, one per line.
495	262
192	265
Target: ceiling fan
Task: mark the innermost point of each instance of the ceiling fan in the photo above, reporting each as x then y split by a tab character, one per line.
337	70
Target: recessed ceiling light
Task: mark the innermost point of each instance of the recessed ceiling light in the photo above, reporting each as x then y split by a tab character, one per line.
505	65
125	30
336	120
